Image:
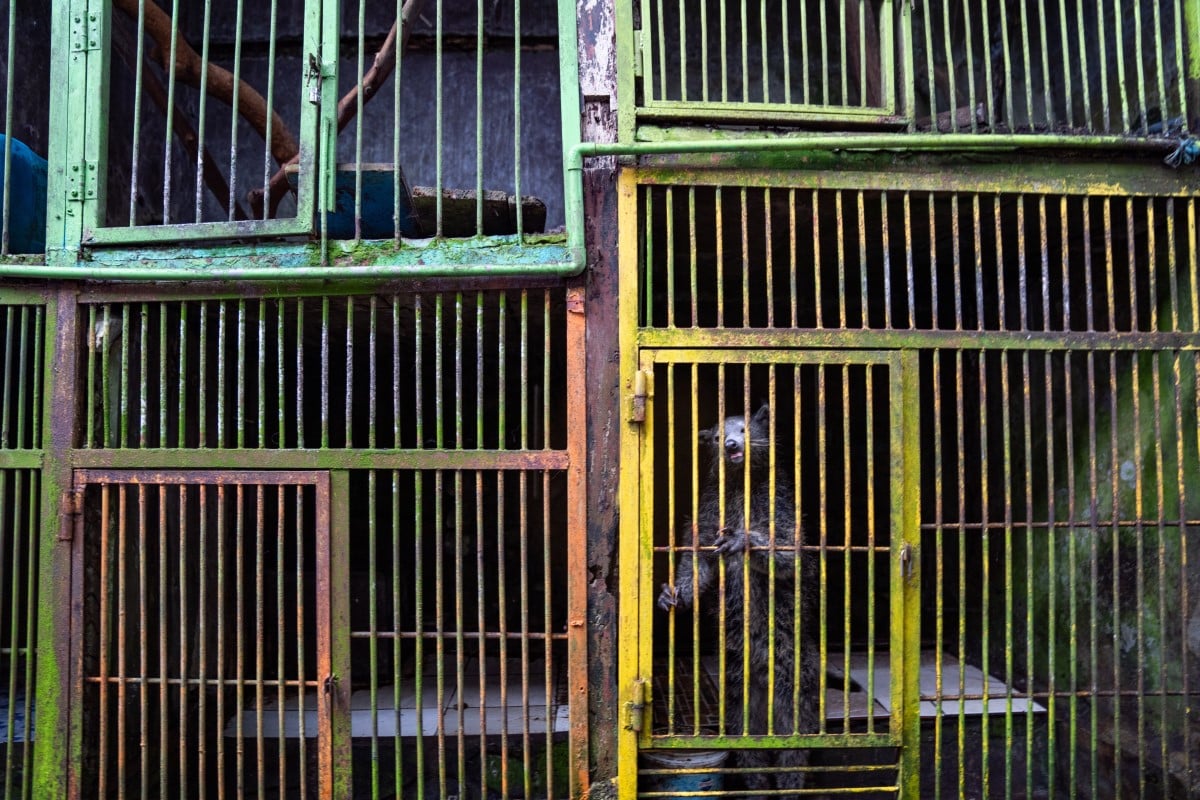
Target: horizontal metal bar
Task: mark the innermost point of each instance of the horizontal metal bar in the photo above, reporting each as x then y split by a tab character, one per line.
317	459
1063	178
490	636
875	339
211	476
21	459
756	742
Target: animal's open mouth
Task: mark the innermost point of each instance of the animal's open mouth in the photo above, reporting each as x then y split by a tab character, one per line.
737	457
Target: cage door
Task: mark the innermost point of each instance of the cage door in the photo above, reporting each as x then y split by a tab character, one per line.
203	651
197	125
776	571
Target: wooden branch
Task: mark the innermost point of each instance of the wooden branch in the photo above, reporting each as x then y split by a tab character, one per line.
188	66
182	127
380	71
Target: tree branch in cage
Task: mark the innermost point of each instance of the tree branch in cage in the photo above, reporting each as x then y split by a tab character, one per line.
182	127
347	109
219	81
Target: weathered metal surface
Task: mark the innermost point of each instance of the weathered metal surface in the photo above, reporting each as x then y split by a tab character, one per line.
1114	67
131	604
492	405
1048	340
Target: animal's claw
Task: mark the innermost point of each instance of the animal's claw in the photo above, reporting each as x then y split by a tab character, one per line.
668	598
732	542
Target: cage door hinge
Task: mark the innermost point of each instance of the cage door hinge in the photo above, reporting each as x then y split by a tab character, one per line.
635	708
642	390
81	181
70	512
85	31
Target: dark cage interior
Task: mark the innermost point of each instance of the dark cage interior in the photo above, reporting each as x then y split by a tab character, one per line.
1059	652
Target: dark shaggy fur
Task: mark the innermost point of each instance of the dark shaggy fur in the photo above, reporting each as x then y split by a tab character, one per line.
737	540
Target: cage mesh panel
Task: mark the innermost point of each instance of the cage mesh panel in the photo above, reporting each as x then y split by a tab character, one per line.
801	53
190	148
816	485
459	633
24	87
1061	531
23	329
1059	442
202	638
1113	66
731	257
469	370
20	491
1067	67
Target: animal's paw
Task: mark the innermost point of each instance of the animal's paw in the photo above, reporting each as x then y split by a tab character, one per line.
668	598
732	542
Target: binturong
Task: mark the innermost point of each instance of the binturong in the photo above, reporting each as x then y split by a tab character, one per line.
741	533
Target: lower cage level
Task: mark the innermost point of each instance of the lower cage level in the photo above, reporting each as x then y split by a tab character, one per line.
960	708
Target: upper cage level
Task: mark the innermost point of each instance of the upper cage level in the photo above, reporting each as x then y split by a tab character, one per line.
1115	67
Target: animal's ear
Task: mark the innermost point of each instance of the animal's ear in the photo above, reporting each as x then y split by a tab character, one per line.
762	416
707	436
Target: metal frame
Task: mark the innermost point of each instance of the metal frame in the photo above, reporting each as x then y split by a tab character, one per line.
67	459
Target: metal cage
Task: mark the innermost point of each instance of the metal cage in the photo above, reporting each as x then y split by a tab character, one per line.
1045	337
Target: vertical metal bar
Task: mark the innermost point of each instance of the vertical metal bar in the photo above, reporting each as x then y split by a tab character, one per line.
840	223
135	141
793	265
221	370
349	416
1009	637
30	648
823	557
325	387
972	64
769	259
268	134
1160	545
184	626
720	230
823	59
1052	568
517	150
301	438
909	266
14	619
202	113
1094	567
847	542
744	63
168	143
1140	579
745	224
358	122
302	681
693	282
985	591
683	48
105	634
281	627
1123	86
939	522
234	113
398	189
1184	530
1115	527
930	69
143	648
241	364
1102	38
670	253
219	681
806	86
1027	426
202	636
961	523
951	86
1047	81
260	634
1072	577
671	547
763	53
1085	76
93	393
872	544
122	566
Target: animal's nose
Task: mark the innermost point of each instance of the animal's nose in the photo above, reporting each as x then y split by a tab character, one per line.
731	444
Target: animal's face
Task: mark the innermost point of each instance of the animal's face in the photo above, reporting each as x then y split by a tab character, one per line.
737	432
